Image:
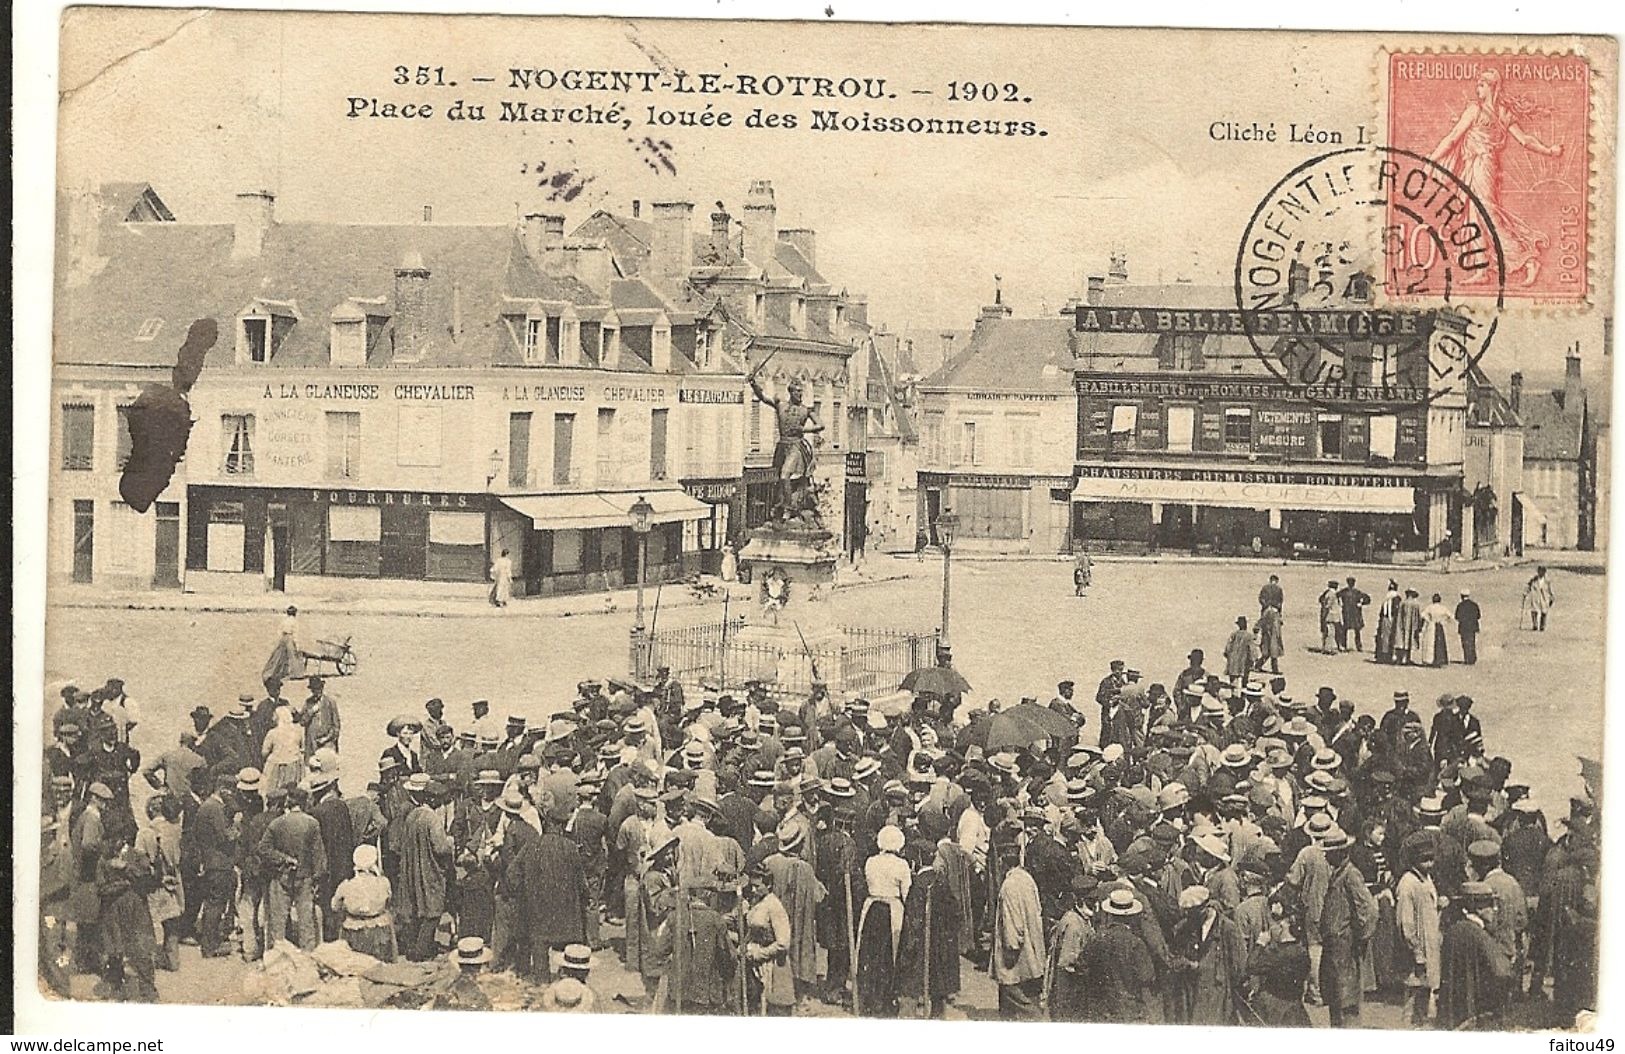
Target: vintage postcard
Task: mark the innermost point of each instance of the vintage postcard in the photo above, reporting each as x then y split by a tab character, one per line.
832	520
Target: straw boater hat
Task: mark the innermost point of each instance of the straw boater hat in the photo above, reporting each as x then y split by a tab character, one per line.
489	778
577	957
248	779
1298	728
1172	796
1327	759
1213	846
512	801
1120	902
471	951
1193	897
1235	756
839	787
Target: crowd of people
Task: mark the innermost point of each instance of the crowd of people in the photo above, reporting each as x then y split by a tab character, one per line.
1217	852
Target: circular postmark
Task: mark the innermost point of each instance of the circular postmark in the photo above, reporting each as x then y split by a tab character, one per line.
1370	276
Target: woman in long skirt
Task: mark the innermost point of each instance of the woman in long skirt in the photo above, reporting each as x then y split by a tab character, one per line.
1388	622
362	901
283	750
880	925
1370	857
1435	644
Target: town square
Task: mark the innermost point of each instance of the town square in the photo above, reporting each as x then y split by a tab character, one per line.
886	542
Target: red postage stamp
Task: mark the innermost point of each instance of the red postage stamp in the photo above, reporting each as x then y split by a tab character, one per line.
1514	129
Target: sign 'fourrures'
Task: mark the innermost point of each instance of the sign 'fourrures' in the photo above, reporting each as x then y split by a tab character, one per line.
1334	235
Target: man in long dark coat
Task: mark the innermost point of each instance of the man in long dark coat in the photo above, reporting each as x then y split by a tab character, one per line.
553	890
1474	974
928	948
339	842
840	870
1348	918
1117	966
426	849
217	859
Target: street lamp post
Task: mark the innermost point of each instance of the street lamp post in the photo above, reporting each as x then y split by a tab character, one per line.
947	523
641	514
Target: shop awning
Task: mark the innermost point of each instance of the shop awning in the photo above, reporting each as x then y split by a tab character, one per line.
1242	495
559	512
1531	511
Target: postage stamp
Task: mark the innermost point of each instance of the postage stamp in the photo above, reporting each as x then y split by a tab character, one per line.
1513	128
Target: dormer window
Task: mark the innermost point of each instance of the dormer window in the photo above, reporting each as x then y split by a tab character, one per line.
254	340
798	314
758	308
348	343
702	348
262	327
542	338
347	336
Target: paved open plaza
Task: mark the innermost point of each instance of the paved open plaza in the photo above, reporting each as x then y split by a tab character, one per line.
1015	629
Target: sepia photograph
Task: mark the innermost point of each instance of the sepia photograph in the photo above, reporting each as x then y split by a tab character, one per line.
822	519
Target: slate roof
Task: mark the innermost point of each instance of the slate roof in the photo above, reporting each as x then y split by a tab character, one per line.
175	272
1551	430
1012	354
1486	406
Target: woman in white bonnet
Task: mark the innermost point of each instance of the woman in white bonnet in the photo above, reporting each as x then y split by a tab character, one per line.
363	902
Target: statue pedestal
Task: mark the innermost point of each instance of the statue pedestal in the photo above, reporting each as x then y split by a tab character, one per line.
791	636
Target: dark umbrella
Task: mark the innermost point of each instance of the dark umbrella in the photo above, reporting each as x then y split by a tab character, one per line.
935	680
1025	724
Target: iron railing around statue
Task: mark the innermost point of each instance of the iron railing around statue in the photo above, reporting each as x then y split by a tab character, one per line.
864	660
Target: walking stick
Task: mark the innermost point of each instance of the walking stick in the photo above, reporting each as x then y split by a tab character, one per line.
925	958
851	936
744	980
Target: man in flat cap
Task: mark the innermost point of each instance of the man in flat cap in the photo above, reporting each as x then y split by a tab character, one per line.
1475	977
426	850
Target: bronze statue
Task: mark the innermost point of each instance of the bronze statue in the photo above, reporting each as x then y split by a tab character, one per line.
793	453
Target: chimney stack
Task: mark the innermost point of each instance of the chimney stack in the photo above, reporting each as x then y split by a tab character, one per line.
1097	290
1515	392
539	233
806	242
1573	390
411	308
1117	273
256	211
722	232
761	222
637	208
671	250
857	308
590	263
428	214
1297	280
997	309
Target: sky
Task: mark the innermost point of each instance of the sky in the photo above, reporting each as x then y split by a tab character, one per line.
206	105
